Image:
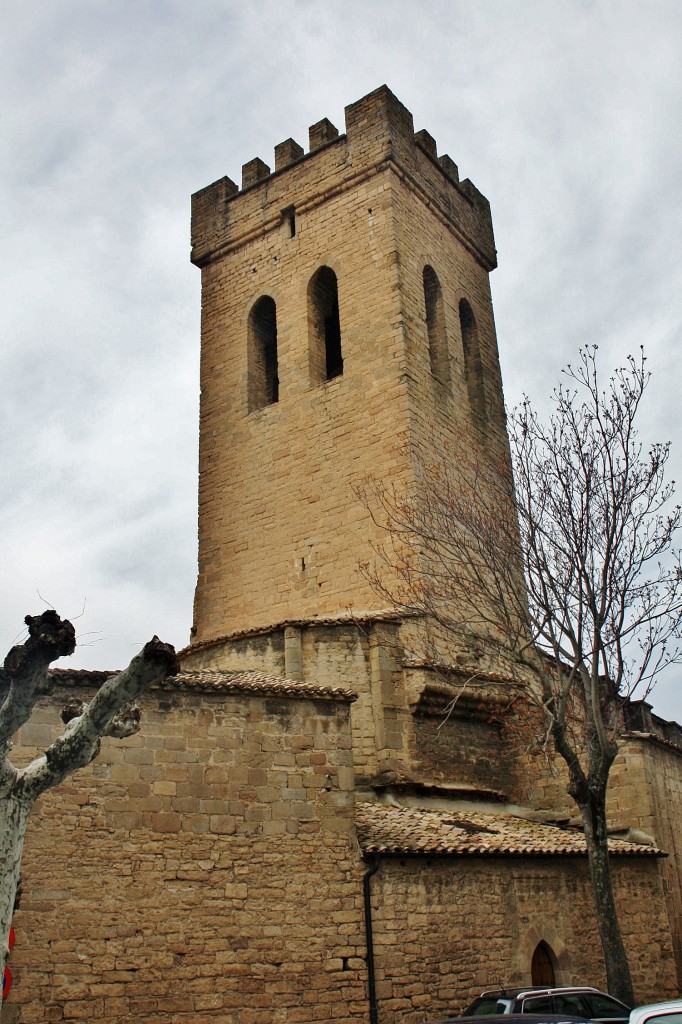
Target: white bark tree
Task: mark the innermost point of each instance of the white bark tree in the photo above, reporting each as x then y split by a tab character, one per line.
112	712
567	571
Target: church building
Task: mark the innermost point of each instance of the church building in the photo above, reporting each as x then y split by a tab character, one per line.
299	832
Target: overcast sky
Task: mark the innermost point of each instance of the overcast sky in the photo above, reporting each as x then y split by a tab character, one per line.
564	113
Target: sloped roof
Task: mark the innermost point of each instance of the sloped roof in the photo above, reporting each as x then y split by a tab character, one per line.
346	619
390	829
253	683
256	683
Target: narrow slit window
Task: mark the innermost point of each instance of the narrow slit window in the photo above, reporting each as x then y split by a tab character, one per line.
289	217
473	367
263	379
435	326
326	359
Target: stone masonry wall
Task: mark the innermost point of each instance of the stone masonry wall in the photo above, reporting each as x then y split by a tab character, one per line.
646	793
441	410
444	929
330	655
263	652
205	869
388	738
278	512
447	428
460	751
282	531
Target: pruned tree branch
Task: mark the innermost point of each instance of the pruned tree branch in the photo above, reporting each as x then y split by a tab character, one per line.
112	712
26	666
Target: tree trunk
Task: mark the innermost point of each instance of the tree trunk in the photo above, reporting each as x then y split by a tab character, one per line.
112	712
13	819
619	982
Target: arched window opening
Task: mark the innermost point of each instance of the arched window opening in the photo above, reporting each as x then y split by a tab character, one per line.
435	326
542	967
473	369
263	381
326	360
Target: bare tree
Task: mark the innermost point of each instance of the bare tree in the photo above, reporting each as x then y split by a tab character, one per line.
112	712
567	572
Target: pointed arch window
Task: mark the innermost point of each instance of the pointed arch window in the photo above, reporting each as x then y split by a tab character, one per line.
263	379
473	368
542	969
435	325
326	358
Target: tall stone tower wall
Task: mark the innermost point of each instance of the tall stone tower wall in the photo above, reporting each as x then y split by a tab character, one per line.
281	530
464	403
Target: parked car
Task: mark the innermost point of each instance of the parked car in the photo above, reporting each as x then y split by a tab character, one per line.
574	1001
519	1018
658	1013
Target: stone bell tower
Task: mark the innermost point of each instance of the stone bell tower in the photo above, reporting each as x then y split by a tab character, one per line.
345	306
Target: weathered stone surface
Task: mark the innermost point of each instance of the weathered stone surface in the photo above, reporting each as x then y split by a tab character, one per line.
162	908
208	868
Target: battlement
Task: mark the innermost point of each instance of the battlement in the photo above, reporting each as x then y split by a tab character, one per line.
379	135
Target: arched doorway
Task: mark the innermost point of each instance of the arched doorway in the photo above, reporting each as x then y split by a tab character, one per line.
542	966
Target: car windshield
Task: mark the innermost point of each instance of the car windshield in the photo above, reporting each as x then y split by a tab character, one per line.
484	1006
603	1006
538	1004
571	1002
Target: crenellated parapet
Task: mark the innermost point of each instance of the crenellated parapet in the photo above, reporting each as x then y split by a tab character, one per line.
379	137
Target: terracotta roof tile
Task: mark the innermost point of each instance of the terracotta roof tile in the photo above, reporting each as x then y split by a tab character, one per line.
208	682
411	830
253	683
347	619
654	737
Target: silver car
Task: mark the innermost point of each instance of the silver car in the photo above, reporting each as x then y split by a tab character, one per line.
658	1013
575	1000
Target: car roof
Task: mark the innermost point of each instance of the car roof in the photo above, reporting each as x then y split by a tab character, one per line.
514	993
521	1018
653	1010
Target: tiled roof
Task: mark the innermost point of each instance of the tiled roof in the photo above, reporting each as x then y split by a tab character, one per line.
215	682
348	619
655	737
411	830
255	683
